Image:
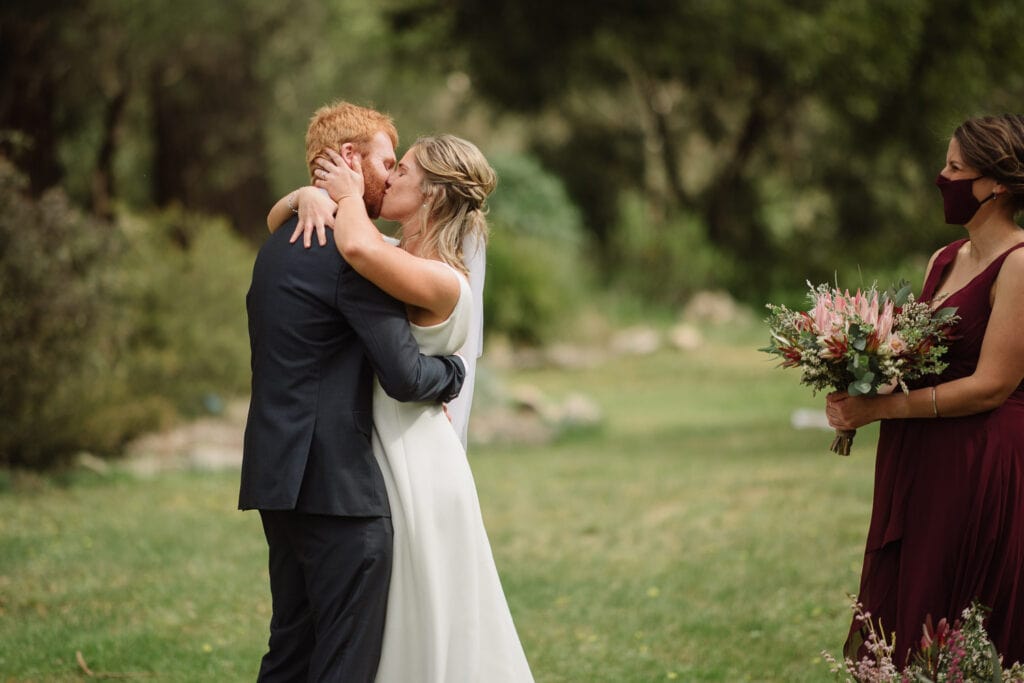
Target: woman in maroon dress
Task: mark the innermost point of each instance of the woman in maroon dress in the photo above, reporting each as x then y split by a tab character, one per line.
947	521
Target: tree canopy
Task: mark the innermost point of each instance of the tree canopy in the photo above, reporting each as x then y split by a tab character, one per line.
786	129
778	123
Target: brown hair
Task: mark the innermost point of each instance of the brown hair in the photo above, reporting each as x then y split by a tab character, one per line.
339	122
456	183
995	146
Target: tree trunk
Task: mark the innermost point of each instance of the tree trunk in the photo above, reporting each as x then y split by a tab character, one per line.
208	137
28	135
103	189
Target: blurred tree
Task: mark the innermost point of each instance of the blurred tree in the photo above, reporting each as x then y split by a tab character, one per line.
785	130
537	274
208	105
195	103
111	329
719	110
179	93
28	135
51	314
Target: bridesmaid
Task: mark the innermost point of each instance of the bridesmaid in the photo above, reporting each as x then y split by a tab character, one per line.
947	521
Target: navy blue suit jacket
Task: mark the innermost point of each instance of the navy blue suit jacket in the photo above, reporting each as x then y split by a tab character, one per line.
318	331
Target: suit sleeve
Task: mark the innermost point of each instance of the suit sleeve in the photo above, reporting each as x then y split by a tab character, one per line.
380	322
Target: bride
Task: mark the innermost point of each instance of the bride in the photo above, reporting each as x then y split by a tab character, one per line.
447	617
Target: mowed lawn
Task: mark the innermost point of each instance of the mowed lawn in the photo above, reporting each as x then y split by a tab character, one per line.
696	536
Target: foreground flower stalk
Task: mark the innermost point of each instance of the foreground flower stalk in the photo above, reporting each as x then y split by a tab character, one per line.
843	441
957	653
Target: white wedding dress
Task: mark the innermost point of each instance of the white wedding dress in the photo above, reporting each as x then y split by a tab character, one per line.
447	617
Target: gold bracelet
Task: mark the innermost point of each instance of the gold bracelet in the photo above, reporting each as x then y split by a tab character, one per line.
291	202
935	405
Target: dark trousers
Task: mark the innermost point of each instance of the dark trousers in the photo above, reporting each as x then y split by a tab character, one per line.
329	580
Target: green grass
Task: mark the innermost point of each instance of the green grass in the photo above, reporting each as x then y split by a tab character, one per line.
695	537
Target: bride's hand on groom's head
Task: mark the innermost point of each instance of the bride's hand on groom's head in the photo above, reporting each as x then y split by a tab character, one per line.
316	213
339	176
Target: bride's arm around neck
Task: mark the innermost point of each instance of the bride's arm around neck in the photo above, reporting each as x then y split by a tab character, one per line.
423	283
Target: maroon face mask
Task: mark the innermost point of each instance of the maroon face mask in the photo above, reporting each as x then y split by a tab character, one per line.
958	200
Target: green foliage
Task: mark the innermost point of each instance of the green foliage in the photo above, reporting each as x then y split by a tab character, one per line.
747	145
53	263
732	107
665	259
792	132
111	329
536	271
181	293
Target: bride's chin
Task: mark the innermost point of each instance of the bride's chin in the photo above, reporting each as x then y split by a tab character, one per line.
385	213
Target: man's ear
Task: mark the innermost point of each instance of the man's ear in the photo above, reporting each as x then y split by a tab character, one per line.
346	151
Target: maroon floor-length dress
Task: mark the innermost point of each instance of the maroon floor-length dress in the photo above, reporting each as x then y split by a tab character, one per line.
947	520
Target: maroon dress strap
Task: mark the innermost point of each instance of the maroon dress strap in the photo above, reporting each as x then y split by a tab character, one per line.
1002	257
947	256
942	261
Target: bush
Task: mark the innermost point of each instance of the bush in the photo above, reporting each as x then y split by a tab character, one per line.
665	259
52	313
111	329
537	275
180	294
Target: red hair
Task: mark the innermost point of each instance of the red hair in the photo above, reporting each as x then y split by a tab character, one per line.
339	122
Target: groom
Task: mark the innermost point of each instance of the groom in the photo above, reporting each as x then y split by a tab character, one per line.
318	333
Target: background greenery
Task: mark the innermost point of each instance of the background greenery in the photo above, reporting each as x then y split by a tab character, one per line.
647	150
695	537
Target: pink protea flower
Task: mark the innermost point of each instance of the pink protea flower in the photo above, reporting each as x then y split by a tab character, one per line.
839	303
883	326
822	314
866	307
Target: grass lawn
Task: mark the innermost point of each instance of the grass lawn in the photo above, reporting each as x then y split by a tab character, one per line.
695	537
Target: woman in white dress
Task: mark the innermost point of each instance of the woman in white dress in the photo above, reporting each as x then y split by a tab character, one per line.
447	617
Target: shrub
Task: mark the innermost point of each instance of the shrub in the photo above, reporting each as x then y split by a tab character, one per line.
111	329
52	313
664	259
180	294
537	275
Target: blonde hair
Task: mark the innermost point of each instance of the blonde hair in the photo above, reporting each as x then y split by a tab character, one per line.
339	122
995	146
456	183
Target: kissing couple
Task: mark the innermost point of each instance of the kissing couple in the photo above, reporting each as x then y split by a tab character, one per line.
380	567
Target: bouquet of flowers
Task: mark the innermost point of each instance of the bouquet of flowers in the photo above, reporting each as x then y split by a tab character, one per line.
866	343
961	653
